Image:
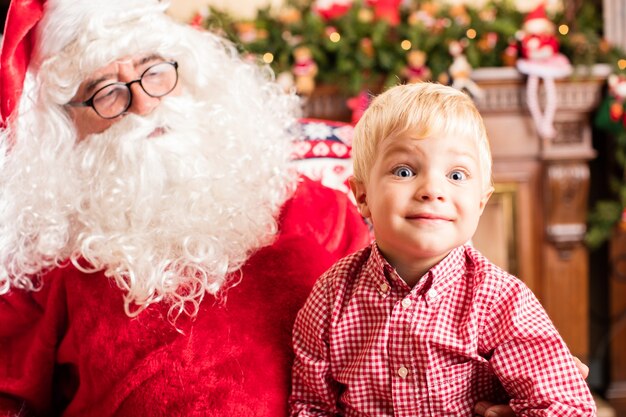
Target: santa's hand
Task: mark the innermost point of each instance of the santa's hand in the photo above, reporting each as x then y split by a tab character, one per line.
489	409
582	368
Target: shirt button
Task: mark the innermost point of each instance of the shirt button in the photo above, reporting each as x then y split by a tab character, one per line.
406	302
384	288
432	293
403	372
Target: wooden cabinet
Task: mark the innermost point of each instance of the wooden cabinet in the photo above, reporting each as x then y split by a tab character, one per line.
549	183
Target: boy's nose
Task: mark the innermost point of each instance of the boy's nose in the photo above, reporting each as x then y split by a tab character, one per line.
430	189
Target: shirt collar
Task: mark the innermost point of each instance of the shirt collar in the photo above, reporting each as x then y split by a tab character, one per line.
381	273
438	278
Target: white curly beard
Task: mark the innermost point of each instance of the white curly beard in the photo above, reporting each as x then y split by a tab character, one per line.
174	202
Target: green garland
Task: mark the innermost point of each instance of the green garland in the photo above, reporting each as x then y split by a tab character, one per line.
608	212
354	66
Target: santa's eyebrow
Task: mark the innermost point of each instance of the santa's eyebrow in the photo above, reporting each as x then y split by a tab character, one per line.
148	58
91	85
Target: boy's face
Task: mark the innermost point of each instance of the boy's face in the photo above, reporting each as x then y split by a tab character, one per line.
424	197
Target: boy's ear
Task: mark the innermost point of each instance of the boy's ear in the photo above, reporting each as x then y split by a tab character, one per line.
485	198
360	195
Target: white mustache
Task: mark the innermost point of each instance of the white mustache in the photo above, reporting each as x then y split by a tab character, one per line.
167	115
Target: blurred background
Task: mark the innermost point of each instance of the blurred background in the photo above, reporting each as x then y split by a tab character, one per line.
557	218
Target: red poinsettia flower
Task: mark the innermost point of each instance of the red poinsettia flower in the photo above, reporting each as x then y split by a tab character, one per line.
358	104
387	10
332	9
197	20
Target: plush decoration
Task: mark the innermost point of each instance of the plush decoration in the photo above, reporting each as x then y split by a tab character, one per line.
416	69
510	55
461	70
304	70
541	60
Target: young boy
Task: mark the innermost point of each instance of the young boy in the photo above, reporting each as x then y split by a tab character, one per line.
420	323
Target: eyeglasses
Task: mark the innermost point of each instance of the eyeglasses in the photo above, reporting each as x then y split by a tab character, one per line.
114	99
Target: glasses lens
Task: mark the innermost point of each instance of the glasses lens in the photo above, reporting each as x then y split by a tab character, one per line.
159	79
112	100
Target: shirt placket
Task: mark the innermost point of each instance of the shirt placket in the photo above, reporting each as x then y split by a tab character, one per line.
402	363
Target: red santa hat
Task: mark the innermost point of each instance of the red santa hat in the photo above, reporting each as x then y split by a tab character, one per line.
40	29
17	45
538	13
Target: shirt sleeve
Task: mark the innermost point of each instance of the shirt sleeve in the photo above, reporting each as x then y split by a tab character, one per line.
314	393
530	358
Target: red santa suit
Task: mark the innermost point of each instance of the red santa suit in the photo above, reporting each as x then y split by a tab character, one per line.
541	56
69	349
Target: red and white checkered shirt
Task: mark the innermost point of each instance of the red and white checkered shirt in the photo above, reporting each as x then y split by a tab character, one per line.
368	344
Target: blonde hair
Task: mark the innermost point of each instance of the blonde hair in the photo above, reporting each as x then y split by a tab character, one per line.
427	109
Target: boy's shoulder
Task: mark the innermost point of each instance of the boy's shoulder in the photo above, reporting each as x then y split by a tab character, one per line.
350	264
343	273
488	274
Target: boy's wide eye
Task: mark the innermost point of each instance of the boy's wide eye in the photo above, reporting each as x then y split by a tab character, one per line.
457	176
404	172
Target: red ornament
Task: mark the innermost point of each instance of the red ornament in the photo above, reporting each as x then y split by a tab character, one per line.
386	10
615	111
333	10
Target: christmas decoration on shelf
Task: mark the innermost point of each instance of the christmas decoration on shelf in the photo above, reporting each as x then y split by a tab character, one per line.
304	70
365	44
416	69
541	60
461	70
611	115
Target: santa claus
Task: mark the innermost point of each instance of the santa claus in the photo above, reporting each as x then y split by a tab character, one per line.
155	242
